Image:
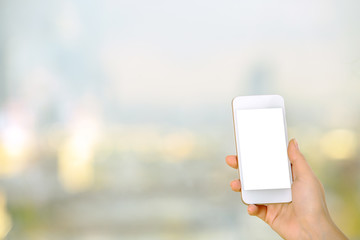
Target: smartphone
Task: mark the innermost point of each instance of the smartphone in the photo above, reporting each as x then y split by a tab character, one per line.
261	147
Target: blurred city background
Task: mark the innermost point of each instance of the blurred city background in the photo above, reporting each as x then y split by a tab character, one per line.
115	116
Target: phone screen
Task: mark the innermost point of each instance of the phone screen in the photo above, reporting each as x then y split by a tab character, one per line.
263	151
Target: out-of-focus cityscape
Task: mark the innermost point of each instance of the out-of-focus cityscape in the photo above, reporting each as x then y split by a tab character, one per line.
115	116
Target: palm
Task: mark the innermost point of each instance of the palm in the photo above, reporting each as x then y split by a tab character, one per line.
278	216
285	218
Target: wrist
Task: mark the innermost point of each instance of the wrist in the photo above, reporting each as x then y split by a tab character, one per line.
324	228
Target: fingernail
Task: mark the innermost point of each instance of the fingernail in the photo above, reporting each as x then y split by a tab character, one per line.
296	144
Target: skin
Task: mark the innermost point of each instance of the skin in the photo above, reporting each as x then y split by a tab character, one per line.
307	216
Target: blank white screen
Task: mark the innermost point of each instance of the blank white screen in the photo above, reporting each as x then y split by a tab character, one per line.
263	153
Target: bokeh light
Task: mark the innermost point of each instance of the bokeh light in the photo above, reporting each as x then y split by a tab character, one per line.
5	219
76	156
339	144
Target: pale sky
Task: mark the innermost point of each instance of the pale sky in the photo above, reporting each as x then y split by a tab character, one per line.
187	53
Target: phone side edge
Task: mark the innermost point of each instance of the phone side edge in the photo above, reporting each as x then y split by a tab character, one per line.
236	147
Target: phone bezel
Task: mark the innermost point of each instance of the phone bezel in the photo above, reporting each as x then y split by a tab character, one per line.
266	196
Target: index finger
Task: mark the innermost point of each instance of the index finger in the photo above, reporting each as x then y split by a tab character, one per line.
231	160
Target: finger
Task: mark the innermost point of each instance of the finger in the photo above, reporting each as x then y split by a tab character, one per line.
299	165
231	160
236	185
257	210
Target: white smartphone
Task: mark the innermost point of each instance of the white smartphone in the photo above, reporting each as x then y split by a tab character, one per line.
261	147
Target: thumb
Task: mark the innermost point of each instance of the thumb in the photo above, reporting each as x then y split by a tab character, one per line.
299	165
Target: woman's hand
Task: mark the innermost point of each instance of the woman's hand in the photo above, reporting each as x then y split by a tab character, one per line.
307	216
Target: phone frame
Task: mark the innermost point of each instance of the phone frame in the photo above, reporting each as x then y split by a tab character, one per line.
265	196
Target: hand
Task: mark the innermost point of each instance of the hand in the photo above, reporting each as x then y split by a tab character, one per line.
307	216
